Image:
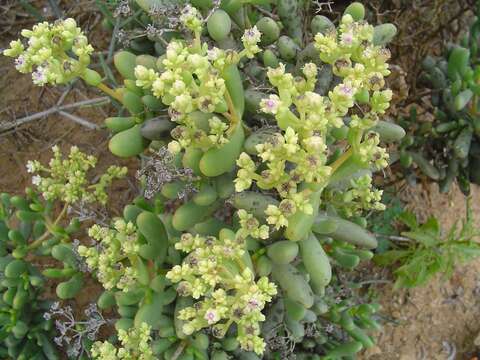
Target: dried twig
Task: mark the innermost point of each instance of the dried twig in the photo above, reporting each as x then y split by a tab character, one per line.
79	120
374	281
54	109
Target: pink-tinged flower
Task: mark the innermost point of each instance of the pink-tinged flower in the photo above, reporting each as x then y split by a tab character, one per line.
39	76
253	304
346	90
347	38
20	62
251	35
211	316
271	104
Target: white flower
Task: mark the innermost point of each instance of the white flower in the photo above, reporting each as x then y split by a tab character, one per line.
174	147
30	166
20	62
315	142
188	12
211	316
214	53
36	180
270	105
178	87
310	70
368	52
39	76
251	36
346	90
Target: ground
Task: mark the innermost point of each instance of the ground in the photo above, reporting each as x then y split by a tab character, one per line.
438	321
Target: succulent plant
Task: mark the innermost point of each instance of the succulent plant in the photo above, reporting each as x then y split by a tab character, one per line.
30	226
24	333
447	148
208	138
259	141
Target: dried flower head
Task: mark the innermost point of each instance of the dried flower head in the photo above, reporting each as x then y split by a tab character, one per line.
160	169
75	334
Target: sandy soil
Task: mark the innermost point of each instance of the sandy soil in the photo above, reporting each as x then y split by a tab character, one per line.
437	321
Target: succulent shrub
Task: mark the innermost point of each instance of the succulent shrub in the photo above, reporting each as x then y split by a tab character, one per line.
262	142
24	333
447	148
31	226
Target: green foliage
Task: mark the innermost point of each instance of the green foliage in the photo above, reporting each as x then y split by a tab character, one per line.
428	252
29	226
338	324
384	223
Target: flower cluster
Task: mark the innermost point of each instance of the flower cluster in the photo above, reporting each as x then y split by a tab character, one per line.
299	153
115	245
191	19
215	271
135	345
250	226
250	40
66	179
360	197
353	56
48	55
363	67
191	83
